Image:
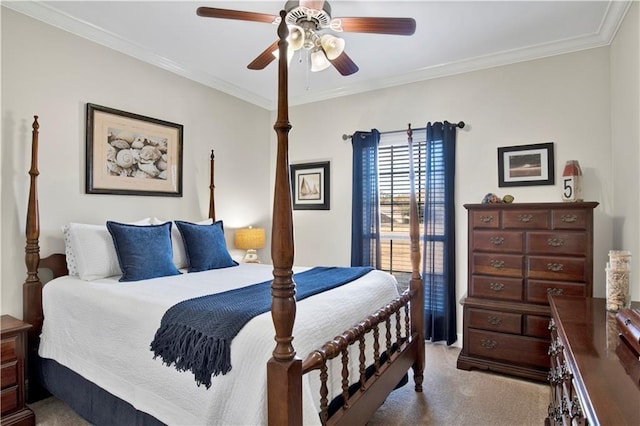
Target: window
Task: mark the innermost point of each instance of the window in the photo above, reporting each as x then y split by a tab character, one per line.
394	188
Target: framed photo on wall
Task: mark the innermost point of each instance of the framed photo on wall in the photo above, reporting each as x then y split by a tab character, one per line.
526	165
310	186
130	154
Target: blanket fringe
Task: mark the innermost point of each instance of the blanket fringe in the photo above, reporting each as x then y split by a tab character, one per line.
189	349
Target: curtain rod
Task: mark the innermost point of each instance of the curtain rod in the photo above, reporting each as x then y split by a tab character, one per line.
459	125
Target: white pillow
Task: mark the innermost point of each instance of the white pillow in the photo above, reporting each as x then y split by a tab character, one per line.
179	252
72	265
90	252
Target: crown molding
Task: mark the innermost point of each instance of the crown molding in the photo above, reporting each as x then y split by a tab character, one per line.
611	21
83	29
607	30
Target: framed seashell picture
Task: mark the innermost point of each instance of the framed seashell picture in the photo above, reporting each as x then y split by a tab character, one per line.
130	154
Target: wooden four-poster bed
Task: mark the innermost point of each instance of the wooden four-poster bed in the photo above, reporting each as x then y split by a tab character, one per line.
380	362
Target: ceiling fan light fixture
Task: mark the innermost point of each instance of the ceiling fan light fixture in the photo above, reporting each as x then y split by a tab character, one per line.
333	46
319	61
296	37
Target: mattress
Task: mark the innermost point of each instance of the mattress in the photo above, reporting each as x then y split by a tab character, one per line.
102	330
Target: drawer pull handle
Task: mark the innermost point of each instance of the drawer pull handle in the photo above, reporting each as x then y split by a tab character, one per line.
496	286
525	218
569	218
496	241
488	343
576	409
555	291
498	264
564	373
555	267
493	320
555	348
486	219
555	242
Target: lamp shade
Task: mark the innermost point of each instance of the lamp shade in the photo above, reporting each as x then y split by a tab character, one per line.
250	238
296	37
333	46
319	61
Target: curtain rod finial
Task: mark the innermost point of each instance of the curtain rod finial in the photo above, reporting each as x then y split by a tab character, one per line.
345	137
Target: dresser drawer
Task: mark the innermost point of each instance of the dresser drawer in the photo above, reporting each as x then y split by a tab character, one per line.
525	219
509	347
9	374
498	241
496	288
569	219
556	268
485	219
505	265
537	326
538	291
494	320
8	348
9	400
570	243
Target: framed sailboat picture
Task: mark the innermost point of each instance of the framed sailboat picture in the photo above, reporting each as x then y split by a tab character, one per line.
310	186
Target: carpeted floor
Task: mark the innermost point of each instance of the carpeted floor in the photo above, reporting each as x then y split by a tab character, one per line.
450	397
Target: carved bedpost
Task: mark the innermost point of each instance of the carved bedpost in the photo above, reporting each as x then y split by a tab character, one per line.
416	285
284	369
212	187
32	287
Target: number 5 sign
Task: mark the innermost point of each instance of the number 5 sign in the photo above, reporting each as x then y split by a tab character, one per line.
572	181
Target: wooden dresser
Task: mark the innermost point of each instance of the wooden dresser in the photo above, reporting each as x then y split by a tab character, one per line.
593	374
518	253
13	348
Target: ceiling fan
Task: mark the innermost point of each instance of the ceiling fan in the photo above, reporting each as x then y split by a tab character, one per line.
310	24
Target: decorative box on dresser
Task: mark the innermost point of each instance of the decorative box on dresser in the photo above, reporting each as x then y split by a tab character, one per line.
518	253
13	410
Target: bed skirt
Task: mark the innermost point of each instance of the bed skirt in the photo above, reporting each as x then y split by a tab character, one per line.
88	400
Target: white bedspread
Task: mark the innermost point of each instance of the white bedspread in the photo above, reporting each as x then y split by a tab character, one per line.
102	330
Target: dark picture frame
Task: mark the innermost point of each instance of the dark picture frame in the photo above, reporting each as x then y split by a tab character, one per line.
131	154
526	165
310	186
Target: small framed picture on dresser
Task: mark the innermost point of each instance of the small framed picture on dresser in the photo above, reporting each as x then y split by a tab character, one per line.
526	165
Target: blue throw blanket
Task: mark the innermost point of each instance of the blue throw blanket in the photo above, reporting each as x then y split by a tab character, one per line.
196	334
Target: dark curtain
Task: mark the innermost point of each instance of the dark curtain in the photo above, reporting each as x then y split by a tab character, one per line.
439	252
365	216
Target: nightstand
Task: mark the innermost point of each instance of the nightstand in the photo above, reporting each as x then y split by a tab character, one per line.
13	343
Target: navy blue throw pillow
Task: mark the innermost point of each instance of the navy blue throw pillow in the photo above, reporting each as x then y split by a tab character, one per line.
143	251
205	246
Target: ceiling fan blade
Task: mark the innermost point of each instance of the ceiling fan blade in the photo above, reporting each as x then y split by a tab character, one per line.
212	12
312	4
392	26
344	64
265	58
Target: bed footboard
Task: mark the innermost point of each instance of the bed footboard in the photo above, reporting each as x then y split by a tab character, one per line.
361	396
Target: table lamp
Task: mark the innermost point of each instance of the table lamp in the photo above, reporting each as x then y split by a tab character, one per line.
250	239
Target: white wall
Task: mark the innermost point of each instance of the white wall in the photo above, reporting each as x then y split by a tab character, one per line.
563	99
625	133
53	74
